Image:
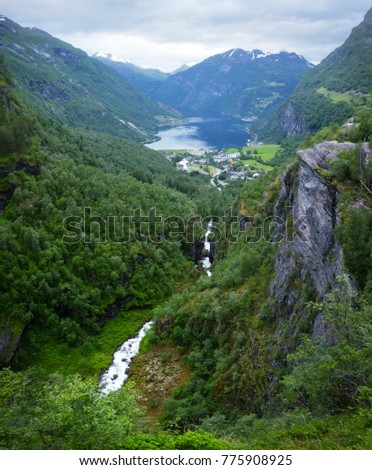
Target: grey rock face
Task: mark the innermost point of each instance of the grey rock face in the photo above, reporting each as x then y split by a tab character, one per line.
310	259
290	123
323	152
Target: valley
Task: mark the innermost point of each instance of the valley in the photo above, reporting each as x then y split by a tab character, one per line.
211	228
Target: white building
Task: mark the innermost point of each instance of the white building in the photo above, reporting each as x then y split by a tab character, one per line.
183	165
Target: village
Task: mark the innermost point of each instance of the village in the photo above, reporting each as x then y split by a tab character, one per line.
226	165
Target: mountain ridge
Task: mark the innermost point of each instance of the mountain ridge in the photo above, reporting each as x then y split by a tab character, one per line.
66	84
236	82
144	79
330	92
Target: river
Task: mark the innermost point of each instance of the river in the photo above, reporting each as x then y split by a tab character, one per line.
203	132
117	374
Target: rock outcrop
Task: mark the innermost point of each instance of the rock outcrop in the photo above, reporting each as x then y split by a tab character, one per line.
310	258
290	123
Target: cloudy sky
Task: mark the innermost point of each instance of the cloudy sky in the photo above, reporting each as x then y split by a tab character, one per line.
168	33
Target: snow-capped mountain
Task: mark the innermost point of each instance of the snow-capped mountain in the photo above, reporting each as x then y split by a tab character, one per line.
144	79
113	58
236	82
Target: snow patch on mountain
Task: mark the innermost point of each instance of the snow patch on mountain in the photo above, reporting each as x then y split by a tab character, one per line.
262	54
114	58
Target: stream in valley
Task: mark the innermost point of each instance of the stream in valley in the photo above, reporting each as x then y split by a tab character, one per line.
206	262
116	375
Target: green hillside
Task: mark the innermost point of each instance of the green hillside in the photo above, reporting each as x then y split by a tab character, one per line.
75	89
50	173
270	349
329	93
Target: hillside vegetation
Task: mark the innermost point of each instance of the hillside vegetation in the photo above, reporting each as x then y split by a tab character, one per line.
270	352
329	93
74	89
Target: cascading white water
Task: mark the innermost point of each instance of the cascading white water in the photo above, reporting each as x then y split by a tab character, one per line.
206	262
214	178
115	376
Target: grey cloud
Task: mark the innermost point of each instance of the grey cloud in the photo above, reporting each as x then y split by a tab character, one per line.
312	29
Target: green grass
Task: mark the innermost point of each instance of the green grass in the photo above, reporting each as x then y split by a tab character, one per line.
266	152
90	358
205	168
257	165
334	96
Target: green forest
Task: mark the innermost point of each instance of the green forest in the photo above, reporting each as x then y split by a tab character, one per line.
92	245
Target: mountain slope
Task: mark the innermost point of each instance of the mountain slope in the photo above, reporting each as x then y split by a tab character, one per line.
48	173
237	82
330	92
274	331
77	90
144	79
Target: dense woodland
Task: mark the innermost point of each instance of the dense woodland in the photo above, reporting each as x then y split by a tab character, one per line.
73	89
73	303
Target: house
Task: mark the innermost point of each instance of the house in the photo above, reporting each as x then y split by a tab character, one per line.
234	156
183	165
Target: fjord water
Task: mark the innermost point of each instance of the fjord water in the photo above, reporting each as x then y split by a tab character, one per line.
203	132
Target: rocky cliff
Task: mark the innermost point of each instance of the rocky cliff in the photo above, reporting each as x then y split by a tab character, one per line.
310	258
290	123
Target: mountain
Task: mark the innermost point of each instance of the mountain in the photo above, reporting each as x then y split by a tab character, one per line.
144	79
270	330
182	68
270	351
240	83
53	172
330	92
77	90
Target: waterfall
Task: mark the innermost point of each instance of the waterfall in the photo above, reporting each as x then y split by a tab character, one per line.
115	376
206	262
117	373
